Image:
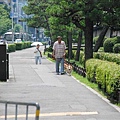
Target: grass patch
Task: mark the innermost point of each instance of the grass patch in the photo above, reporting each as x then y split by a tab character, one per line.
46	55
94	86
88	83
83	80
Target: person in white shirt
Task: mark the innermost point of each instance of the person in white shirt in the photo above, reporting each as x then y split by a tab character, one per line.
38	54
59	54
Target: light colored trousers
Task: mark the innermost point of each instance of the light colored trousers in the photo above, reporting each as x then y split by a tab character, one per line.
37	59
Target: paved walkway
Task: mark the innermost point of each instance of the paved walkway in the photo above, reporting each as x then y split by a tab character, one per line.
61	97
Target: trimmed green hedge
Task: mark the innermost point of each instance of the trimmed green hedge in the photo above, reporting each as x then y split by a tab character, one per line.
18	46
116	48
111	57
11	48
109	43
105	74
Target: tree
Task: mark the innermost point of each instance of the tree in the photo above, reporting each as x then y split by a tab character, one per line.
109	19
72	11
5	22
18	28
99	42
79	46
84	14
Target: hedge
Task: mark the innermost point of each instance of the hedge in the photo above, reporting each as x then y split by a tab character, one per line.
105	74
11	48
111	57
116	48
18	46
109	43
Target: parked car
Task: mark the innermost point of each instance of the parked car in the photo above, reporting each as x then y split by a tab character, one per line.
1	41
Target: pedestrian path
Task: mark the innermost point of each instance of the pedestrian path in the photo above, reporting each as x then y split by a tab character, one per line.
61	97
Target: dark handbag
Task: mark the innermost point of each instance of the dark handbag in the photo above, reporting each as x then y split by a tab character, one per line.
40	52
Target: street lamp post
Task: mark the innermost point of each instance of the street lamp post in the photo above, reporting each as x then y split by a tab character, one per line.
12	14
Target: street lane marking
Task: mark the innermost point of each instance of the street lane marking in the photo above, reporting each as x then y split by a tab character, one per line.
69	114
53	114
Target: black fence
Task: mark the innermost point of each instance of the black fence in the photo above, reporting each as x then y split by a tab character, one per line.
114	98
81	71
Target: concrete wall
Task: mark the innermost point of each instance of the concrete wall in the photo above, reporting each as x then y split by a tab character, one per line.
97	33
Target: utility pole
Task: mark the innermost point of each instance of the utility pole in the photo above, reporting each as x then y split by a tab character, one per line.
12	20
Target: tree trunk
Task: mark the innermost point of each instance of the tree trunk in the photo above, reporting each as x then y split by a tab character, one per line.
79	46
88	39
100	39
69	45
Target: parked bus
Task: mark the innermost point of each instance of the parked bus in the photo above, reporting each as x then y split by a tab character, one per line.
8	37
11	37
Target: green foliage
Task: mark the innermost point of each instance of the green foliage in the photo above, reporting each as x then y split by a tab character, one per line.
105	73
11	48
95	40
68	55
49	49
82	58
37	10
28	44
91	69
23	45
111	57
5	22
17	28
116	48
19	46
109	43
62	16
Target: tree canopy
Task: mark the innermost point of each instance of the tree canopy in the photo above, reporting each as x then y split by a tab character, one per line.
5	22
57	15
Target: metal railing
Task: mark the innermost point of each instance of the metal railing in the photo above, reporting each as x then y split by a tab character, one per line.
16	104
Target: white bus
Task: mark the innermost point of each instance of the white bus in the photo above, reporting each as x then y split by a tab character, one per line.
10	38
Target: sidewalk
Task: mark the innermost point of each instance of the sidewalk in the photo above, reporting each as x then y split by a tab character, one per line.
61	97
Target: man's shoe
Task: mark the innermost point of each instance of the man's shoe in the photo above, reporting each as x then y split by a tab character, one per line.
62	73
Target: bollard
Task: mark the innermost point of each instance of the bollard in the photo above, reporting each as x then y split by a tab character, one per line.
3	73
7	66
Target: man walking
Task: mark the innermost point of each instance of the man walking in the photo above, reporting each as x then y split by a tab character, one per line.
59	54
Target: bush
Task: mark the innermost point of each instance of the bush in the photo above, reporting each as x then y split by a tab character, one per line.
108	45
11	48
24	45
106	74
91	69
19	46
82	58
116	48
67	54
111	57
118	39
49	49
